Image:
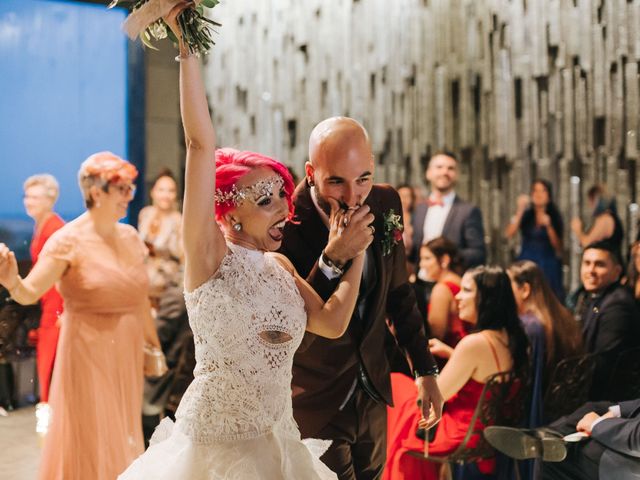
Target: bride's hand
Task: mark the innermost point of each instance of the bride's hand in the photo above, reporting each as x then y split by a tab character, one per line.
172	17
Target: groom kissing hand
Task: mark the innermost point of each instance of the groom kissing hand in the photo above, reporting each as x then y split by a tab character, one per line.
341	387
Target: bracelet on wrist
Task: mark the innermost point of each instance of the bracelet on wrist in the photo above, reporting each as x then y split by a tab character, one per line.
431	372
183	56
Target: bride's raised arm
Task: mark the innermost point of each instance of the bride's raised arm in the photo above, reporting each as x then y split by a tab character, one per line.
204	242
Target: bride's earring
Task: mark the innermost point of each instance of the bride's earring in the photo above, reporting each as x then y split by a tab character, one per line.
237	227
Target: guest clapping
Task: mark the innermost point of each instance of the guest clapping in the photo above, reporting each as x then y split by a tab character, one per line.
40	195
605	224
159	227
98	263
439	261
540	224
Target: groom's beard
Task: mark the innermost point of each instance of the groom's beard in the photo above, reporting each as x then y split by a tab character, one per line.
326	207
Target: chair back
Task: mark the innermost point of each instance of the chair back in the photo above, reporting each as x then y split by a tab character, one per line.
569	386
624	383
502	402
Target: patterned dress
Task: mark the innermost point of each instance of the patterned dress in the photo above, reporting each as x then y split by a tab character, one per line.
236	420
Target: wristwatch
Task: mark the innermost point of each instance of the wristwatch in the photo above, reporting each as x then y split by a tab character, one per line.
331	264
431	372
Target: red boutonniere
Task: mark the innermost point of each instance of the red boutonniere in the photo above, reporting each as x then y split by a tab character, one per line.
393	229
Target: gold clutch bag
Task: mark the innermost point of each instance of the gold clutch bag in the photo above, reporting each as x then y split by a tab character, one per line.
155	364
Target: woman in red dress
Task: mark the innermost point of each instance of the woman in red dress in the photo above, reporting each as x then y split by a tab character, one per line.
439	261
498	343
40	195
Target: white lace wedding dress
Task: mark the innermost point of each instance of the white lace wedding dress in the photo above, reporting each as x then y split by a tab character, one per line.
235	420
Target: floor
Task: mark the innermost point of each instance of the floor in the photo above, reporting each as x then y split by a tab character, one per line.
19	445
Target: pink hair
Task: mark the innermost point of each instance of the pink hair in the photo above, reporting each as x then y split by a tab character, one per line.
232	165
109	167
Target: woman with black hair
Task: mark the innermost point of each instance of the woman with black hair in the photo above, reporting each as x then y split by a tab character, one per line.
498	343
540	224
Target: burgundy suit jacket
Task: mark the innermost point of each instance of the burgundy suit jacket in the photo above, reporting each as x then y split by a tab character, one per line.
323	369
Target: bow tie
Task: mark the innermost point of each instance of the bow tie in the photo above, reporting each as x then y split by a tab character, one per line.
433	202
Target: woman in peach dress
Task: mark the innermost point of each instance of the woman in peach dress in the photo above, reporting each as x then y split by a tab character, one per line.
96	392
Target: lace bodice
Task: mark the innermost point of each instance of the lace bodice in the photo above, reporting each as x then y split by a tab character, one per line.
247	322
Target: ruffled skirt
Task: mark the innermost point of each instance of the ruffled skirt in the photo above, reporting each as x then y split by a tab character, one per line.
173	455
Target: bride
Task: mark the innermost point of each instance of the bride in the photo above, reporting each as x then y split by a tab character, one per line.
248	309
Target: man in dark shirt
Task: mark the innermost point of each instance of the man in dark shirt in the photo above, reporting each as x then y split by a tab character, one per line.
608	313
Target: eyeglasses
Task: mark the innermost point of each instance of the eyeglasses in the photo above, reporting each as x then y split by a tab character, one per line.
125	189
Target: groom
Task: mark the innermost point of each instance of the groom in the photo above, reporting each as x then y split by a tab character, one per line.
341	387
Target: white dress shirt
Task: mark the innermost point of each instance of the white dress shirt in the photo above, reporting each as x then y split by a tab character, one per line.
614	410
437	216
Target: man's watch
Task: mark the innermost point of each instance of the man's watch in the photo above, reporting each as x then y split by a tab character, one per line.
431	372
338	271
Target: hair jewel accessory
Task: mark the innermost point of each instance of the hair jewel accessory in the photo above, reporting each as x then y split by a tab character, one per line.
263	188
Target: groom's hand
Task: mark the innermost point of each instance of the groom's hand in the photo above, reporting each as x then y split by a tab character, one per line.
429	401
350	232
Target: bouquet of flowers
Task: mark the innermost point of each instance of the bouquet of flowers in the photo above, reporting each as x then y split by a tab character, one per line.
146	22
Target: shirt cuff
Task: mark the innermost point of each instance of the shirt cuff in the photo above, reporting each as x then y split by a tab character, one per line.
327	270
614	410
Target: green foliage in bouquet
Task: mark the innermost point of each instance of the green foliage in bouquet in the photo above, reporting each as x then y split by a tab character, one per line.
197	30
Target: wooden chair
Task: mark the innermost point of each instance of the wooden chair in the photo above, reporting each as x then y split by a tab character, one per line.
502	402
624	383
569	386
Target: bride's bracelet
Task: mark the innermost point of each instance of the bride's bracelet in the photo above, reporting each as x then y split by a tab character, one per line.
184	56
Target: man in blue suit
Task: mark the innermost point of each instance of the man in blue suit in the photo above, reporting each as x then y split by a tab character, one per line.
611	449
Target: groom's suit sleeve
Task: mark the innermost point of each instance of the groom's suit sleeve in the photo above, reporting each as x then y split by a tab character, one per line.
621	434
402	310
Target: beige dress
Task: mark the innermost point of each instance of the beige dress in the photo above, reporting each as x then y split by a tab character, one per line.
96	391
163	236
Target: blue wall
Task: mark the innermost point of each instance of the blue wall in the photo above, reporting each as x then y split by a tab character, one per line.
63	96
